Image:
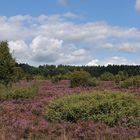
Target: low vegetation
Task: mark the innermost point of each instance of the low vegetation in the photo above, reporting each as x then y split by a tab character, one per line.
82	78
92	115
103	107
107	76
131	82
18	92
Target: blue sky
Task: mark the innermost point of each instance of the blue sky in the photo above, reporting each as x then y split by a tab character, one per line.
80	32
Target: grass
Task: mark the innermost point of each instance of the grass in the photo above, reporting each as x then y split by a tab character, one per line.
18	92
131	82
104	107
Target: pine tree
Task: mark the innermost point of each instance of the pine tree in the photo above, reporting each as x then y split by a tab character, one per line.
7	65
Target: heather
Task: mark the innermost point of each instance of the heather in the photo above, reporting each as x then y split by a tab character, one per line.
26	118
105	107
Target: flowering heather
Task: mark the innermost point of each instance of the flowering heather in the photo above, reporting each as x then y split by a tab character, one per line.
25	119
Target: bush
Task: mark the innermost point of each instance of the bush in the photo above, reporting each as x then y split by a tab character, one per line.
38	77
82	78
28	77
117	79
123	75
131	82
107	76
104	107
57	79
91	82
18	92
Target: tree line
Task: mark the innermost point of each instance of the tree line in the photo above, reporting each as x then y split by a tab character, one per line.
96	71
11	71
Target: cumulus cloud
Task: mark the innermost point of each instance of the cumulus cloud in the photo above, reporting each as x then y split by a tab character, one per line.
130	47
45	49
56	39
20	50
107	46
94	62
111	61
137	5
48	50
118	61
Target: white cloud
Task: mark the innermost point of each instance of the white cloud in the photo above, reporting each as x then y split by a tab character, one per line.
94	62
107	46
110	61
137	5
20	50
56	39
130	47
118	61
45	49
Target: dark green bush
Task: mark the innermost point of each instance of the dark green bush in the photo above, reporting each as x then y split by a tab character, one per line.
107	76
18	92
104	107
82	78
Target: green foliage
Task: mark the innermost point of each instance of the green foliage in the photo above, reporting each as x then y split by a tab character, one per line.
48	71
18	74
82	78
107	76
104	107
29	77
18	92
7	65
117	78
91	81
123	75
131	82
57	79
39	77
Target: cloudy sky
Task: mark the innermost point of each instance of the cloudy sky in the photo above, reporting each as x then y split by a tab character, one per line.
74	32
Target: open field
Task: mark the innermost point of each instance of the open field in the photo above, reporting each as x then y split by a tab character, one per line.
25	119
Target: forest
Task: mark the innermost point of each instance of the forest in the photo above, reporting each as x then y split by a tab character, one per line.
53	70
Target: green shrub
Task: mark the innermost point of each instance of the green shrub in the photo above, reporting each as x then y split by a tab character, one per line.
131	82
29	77
18	92
82	78
123	75
38	77
56	79
104	107
117	79
91	82
107	76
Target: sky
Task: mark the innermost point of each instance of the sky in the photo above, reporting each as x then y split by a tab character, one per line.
72	32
